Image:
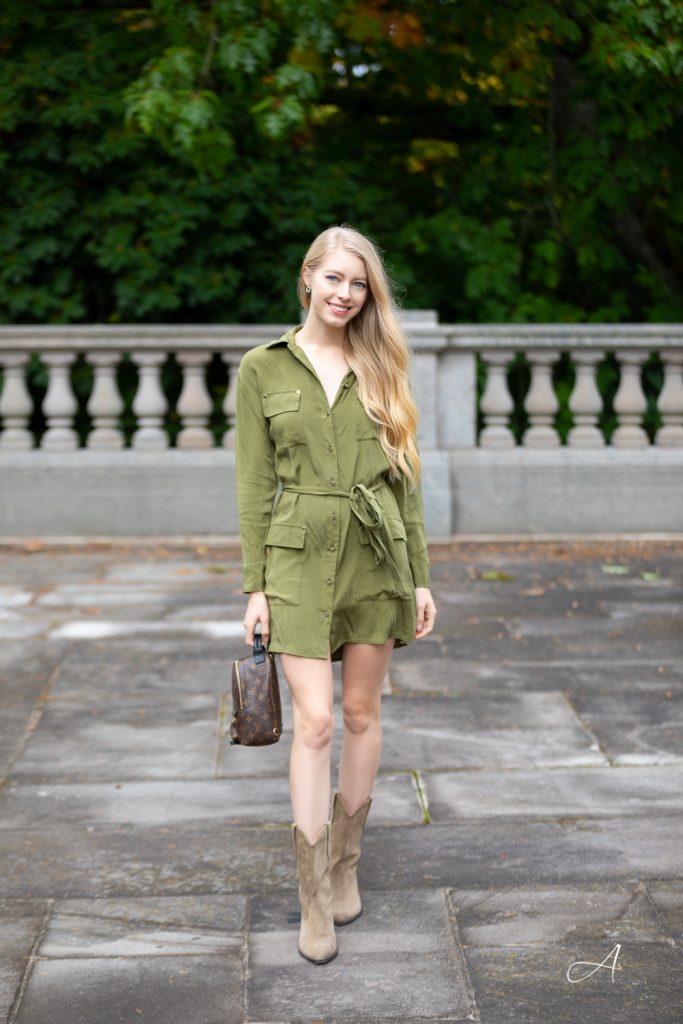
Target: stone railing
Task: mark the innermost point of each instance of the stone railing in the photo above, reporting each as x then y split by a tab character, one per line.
444	378
465	432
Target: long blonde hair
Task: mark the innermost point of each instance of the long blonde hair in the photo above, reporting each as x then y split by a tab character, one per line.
376	349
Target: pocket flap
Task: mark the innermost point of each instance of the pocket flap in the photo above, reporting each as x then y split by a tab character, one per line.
285	535
397	529
275	402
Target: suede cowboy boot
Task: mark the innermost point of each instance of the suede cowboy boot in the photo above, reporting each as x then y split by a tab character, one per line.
317	940
345	833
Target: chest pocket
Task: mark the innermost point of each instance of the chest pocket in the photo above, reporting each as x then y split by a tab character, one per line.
283	410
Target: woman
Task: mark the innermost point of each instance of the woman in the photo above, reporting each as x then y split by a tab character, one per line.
339	569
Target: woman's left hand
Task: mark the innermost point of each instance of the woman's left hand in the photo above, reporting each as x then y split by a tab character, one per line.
426	611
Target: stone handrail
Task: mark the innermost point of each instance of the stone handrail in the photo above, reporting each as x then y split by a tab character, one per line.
444	375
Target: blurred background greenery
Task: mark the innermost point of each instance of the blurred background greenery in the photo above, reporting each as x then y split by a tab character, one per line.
171	161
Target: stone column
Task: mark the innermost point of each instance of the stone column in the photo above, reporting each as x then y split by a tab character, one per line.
585	402
541	401
149	404
15	404
60	404
457	405
194	404
629	401
105	404
424	373
670	404
496	402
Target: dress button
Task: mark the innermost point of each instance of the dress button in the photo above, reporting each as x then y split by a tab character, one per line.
332	480
328	580
331	547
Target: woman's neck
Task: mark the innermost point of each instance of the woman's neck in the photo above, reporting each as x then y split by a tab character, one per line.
320	335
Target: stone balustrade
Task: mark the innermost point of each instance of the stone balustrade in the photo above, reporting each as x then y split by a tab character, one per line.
474	459
444	379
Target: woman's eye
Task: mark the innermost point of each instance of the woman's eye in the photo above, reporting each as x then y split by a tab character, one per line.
360	284
332	277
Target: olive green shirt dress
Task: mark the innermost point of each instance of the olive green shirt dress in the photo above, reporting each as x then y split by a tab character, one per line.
342	550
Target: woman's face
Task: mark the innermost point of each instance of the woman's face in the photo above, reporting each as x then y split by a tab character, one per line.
339	287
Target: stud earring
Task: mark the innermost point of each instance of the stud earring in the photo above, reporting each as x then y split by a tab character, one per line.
308	290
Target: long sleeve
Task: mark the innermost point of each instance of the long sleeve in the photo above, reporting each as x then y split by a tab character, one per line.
412	513
256	476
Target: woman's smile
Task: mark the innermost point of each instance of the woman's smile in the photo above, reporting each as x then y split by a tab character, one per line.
338	309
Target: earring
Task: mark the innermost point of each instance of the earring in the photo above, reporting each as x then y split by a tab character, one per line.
308	290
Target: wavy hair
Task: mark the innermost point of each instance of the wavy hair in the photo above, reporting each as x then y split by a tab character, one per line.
376	349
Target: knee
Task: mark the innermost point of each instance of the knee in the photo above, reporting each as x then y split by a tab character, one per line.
317	730
359	717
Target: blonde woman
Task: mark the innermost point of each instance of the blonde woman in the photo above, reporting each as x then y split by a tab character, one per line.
338	570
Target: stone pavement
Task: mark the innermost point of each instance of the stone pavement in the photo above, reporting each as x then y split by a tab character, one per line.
526	823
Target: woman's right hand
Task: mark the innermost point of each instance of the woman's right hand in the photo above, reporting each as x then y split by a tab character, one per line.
257	612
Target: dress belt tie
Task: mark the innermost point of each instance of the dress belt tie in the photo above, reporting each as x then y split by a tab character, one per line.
370	515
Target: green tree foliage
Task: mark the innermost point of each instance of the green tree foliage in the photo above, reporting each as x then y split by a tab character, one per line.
171	161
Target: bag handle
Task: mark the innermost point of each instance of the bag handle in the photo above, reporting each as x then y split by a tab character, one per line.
259	648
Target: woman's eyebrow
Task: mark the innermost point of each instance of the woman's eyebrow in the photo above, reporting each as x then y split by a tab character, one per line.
357	277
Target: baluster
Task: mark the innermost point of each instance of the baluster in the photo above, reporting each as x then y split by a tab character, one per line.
149	404
105	404
629	401
670	404
585	402
15	404
541	402
60	404
496	402
229	402
194	404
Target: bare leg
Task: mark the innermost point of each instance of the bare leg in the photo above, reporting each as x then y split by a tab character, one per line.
310	683
364	667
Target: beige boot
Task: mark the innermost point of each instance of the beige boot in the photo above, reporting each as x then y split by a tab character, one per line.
345	833
317	940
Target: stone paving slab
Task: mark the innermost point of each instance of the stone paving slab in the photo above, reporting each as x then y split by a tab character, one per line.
508	852
262	801
120	741
172	989
208	857
494	730
400	935
639	728
442	674
528	984
527	941
538	915
180	926
563	792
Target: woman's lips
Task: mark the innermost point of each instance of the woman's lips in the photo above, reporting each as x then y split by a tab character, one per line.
339	310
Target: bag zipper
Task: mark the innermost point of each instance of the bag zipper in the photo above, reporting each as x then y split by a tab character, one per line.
239	685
